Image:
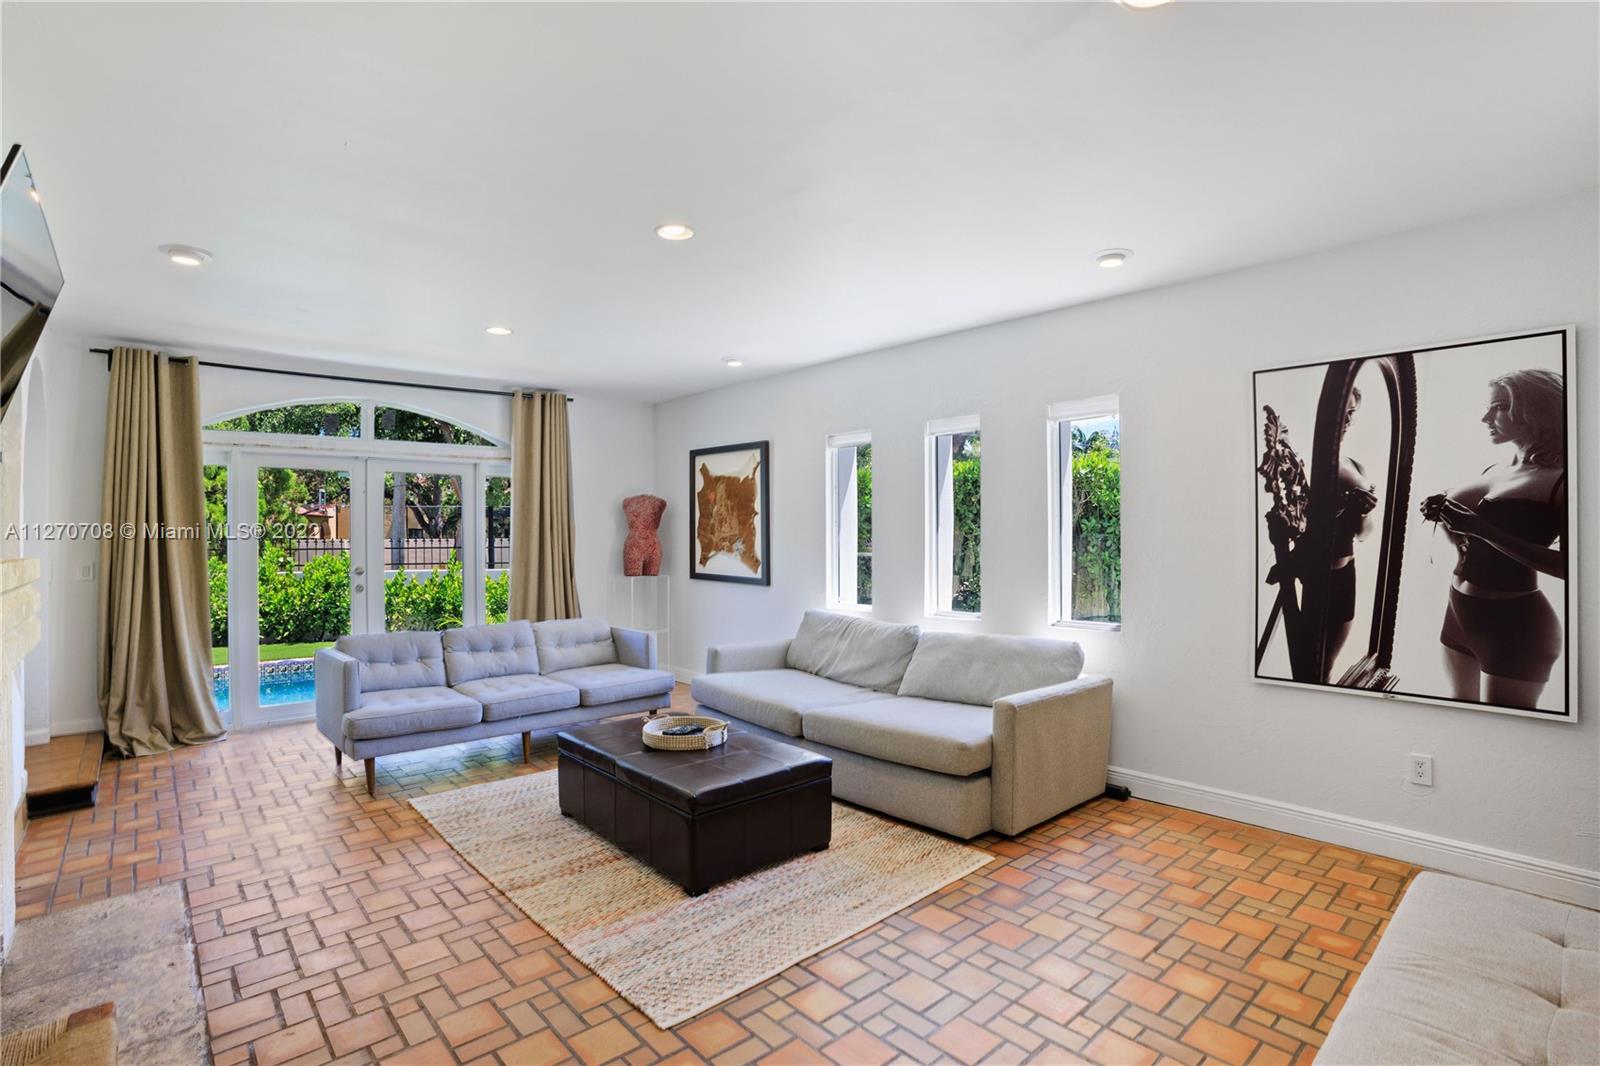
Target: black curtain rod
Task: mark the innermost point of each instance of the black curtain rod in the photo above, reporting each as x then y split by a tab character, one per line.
335	377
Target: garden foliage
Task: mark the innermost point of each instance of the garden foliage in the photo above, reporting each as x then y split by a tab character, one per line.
1096	527
313	603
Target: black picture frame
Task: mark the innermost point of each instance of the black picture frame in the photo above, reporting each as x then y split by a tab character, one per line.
1303	502
731	457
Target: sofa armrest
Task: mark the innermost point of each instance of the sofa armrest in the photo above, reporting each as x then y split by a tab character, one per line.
732	658
338	682
1051	746
635	647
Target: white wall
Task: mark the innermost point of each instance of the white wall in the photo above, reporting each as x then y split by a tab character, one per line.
35	672
611	443
75	386
1180	358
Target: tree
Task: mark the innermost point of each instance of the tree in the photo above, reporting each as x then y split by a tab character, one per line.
864	523
306	419
1096	526
965	469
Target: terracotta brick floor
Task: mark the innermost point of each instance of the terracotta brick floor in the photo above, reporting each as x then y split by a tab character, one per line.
334	927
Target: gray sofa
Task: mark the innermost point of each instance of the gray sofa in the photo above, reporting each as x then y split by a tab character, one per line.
392	692
961	733
1468	972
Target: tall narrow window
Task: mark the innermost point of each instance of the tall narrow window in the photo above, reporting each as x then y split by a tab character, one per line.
850	520
1086	512
955	576
215	477
497	547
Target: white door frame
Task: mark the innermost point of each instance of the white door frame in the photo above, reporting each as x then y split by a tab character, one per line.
244	559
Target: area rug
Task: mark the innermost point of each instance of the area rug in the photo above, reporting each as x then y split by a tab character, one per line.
83	1038
671	955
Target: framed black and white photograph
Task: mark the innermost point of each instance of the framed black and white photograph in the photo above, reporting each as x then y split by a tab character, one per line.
729	520
1416	514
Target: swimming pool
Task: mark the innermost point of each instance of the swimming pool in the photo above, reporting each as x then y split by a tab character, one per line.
285	681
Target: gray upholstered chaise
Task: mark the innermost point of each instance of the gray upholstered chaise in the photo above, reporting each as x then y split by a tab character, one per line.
962	733
1468	972
393	692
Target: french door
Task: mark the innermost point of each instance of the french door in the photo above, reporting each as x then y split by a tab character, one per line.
424	519
322	544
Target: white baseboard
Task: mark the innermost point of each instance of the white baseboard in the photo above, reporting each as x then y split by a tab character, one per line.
684	674
1542	877
40	735
66	727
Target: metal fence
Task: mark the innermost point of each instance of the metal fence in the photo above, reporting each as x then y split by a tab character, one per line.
416	553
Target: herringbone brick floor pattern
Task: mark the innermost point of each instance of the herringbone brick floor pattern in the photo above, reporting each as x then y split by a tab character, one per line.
336	927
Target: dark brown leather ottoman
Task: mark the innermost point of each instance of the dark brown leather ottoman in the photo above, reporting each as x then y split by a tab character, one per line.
699	817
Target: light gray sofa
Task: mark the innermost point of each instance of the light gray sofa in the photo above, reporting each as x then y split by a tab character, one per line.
961	733
1468	972
392	692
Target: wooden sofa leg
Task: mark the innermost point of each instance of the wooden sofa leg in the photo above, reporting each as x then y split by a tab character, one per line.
372	776
527	747
338	758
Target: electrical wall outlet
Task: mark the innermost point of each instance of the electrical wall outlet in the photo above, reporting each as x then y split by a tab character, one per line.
85	572
1421	769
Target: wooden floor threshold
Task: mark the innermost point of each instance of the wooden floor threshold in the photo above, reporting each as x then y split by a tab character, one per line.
64	775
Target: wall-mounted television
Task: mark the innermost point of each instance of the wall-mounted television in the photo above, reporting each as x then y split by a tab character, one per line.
30	275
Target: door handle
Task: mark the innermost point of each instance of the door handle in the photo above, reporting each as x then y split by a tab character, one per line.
360	570
361	588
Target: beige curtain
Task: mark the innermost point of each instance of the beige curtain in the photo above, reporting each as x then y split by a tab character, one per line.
155	612
543	581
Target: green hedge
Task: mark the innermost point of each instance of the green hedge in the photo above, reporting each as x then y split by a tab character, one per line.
1097	531
313	603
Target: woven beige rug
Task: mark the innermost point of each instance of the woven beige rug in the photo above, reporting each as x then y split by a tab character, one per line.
670	955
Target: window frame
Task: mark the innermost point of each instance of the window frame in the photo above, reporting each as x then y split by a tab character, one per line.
833	513
935	605
365	443
1059	523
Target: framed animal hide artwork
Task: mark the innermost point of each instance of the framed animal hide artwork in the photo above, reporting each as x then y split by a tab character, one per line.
1416	514
729	527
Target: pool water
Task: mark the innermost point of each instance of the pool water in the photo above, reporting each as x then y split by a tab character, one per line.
291	681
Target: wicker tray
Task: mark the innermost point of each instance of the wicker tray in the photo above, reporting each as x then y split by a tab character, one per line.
715	733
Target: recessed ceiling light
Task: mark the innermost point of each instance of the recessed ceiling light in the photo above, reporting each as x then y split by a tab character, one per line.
674	231
498	331
732	362
185	254
1112	258
1143	5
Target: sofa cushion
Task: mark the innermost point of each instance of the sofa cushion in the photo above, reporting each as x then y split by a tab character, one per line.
474	652
396	660
978	668
400	712
568	643
614	682
851	650
514	695
773	699
948	738
1469	972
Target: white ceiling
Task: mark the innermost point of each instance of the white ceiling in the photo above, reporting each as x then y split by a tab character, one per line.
380	182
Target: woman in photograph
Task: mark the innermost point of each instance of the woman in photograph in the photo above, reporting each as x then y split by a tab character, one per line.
1501	637
1352	521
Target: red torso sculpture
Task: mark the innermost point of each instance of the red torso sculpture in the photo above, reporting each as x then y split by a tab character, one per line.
641	552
